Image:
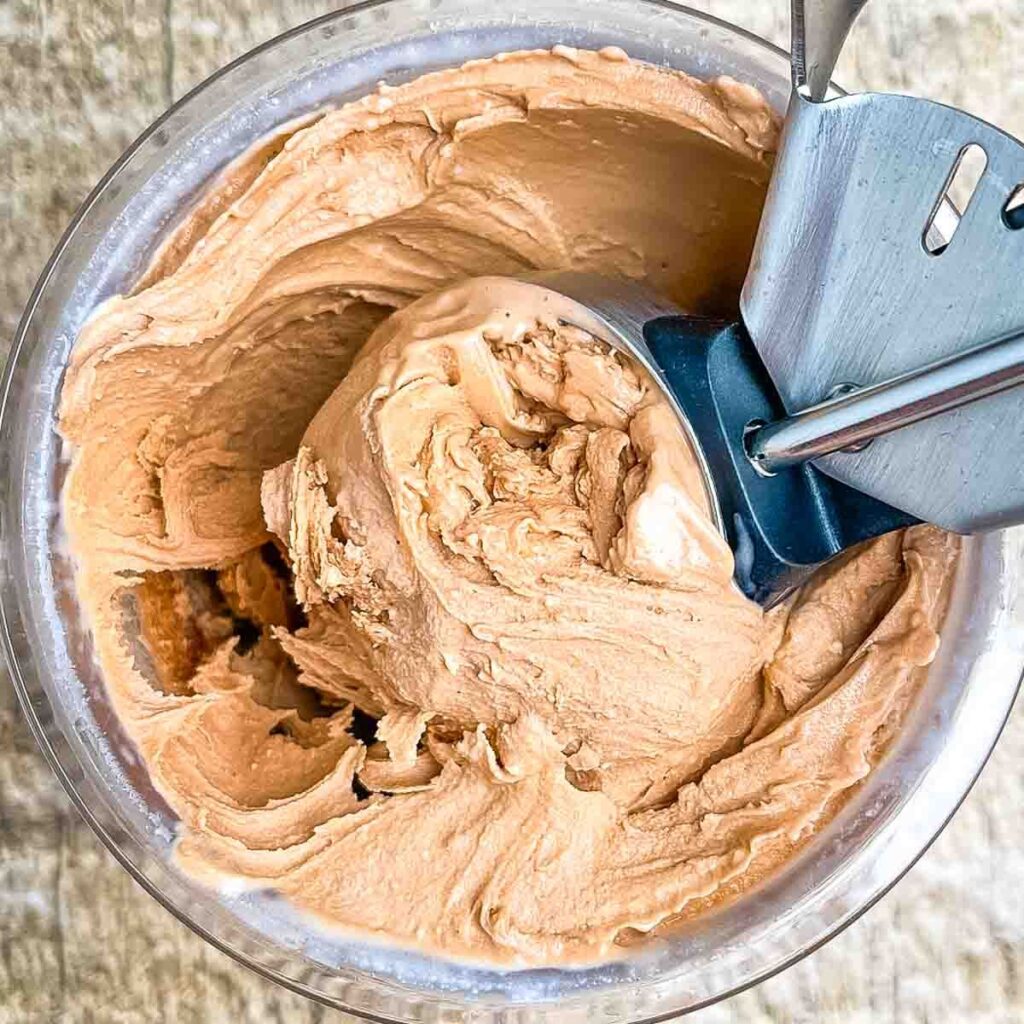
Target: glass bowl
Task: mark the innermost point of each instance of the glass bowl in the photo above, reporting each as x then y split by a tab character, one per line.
886	825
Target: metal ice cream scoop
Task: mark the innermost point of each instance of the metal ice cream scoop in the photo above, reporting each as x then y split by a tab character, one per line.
867	385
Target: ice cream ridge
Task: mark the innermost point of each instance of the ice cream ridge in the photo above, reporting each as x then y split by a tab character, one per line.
408	593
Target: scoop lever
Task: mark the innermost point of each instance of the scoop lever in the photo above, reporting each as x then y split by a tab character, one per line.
854	417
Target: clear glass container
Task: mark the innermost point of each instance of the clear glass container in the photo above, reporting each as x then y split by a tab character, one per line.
843	870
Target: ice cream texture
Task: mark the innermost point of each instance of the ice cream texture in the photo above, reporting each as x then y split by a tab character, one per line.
409	593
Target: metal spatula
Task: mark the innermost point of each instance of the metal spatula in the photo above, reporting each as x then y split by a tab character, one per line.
867	386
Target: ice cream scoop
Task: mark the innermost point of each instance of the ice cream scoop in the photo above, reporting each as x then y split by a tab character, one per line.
867	384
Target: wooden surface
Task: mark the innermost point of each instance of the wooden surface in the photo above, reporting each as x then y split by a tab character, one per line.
79	941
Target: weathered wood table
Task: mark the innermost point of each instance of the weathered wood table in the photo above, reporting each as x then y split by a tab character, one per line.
79	941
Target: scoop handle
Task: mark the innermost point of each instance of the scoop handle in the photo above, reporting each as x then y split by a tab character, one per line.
855	416
819	29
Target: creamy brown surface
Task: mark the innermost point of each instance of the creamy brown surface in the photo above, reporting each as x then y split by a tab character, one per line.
444	646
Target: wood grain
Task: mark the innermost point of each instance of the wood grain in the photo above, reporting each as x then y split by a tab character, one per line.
79	941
